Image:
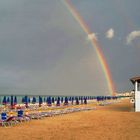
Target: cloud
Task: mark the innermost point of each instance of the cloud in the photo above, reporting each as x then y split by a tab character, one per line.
110	33
92	36
131	36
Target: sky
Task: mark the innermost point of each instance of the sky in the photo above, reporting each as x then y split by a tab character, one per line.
43	49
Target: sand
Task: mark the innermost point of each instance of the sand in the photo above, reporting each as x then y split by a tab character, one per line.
112	122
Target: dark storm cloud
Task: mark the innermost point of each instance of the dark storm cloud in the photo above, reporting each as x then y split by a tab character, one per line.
43	50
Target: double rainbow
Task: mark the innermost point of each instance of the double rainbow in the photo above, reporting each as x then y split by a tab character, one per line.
95	45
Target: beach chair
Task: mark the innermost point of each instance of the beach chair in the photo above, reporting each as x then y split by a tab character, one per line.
3	119
50	114
44	114
20	117
35	116
12	120
7	121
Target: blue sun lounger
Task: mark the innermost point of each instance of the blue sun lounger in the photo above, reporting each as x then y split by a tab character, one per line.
7	121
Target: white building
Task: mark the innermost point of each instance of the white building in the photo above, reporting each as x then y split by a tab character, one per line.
136	82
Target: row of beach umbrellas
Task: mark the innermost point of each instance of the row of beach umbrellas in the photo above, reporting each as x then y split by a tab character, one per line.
8	100
51	100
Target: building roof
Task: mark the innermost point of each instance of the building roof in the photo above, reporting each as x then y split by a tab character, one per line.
134	79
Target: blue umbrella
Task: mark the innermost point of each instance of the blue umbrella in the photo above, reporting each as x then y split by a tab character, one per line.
77	101
4	100
58	98
34	100
12	102
29	100
72	99
85	100
62	100
8	100
58	101
108	97
44	100
66	101
40	101
15	100
69	98
49	101
26	101
23	100
53	100
98	98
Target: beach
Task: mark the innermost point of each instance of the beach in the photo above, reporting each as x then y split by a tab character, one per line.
110	122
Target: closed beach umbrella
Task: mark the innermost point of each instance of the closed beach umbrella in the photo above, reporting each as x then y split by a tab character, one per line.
103	98
108	97
12	102
15	100
34	100
66	101
98	98
29	100
26	101
77	101
52	99
4	100
85	100
44	99
49	101
58	101
69	98
23	100
72	99
8	100
58	98
40	101
62	100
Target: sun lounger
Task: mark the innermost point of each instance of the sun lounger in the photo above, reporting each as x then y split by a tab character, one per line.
9	121
35	116
20	117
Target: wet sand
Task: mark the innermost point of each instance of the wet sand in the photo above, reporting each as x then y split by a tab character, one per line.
111	122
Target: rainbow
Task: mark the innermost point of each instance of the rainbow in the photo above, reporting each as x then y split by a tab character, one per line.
95	45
